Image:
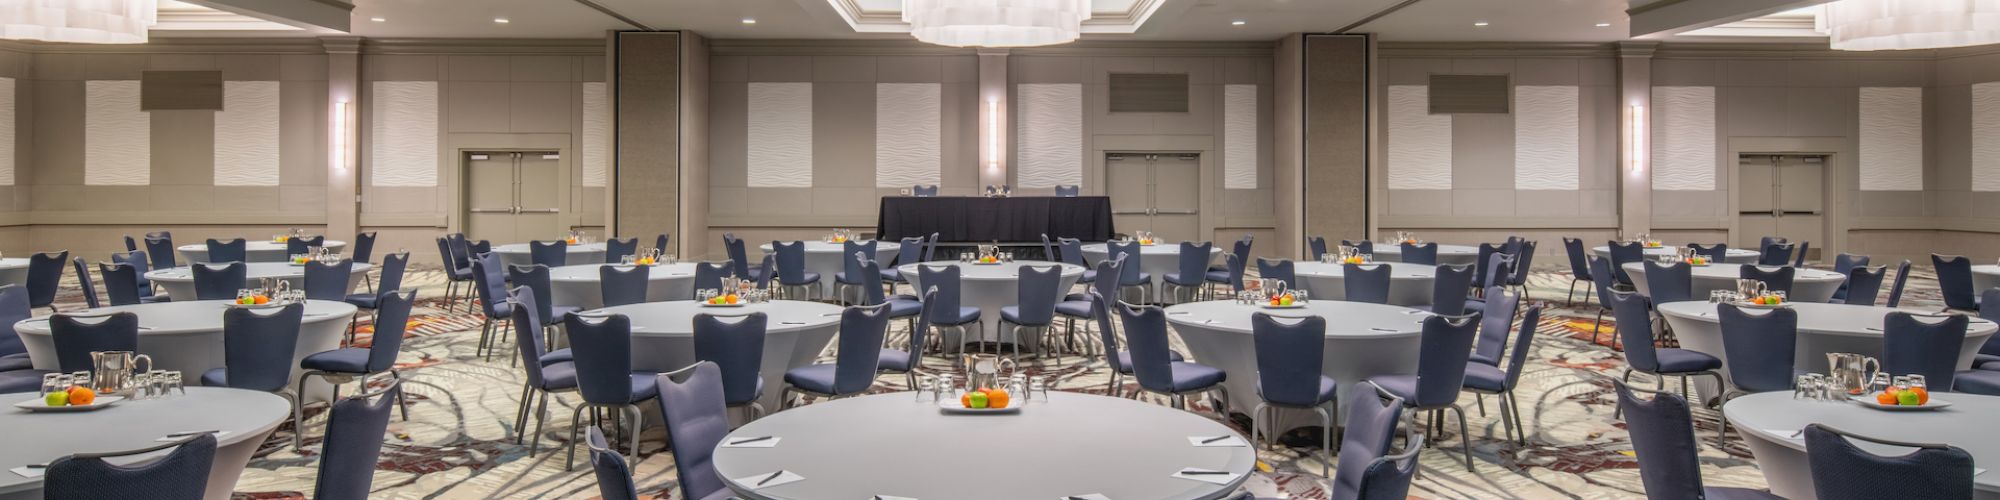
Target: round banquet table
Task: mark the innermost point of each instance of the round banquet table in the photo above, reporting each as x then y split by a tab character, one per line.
518	254
1767	421
179	282
255	250
186	336
868	446
1984	276
583	287
1409	284
797	332
1362	340
825	258
990	287
1457	255
1808	285
248	417
14	271
1156	260
1823	328
1735	255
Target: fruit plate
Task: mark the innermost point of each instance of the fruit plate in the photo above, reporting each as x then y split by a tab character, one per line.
1267	305
37	405
266	305
978	263
1753	305
738	304
952	405
1868	400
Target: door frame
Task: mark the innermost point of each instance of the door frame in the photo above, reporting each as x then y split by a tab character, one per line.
1097	174
1843	176
459	145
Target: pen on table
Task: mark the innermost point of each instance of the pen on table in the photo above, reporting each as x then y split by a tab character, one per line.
1203	472
750	440
1214	439
37	466
767	479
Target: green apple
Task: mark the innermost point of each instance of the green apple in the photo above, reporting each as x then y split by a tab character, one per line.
979	400
58	398
1906	398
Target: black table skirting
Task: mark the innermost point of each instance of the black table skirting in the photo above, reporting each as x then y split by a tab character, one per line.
988	220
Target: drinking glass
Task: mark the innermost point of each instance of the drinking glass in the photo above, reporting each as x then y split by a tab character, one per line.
1038	383
53	382
1802	385
1301	296
174	383
627	260
926	385
142	384
1915	381
81	378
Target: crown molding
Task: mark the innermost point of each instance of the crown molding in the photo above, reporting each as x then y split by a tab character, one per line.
1104	48
1476	49
899	46
492	46
891	21
1783	51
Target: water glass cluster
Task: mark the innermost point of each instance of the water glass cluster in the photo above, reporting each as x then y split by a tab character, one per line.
839	236
149	385
940	386
1408	237
647	257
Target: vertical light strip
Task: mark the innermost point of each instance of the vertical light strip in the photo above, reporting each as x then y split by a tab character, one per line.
993	134
1637	161
342	136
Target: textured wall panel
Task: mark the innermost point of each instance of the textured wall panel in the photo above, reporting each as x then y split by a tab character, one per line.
405	133
1239	137
1419	142
6	131
1986	136
1892	139
596	134
117	136
1683	138
246	135
1545	137
908	125
781	134
1050	133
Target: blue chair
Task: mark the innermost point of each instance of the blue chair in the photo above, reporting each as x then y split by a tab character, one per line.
1483	379
228	251
547	372
13	309
1602	280
1775	254
1498	266
552	254
1426	254
1759	347
660	244
708	275
614	477
621	285
737	346
364	247
1923	344
1494	324
930	248
392	320
1191	274
1624	253
1450	287
1954	276
1488	258
75	339
1072	254
491	281
949	310
615	250
219	283
1662	433
1805	248
1778	279
1067	191
1079	306
329	281
908	251
536	278
850	276
1281	270
1670	282
791	261
1716	253
691	400
1130	276
1233	266
1365	283
1036	291
1579	270
862	329
1317	247
1290	373
83	281
1989	352
302	244
1635	326
1844	264
1441	364
393	266
45	272
1769	240
1153	364
456	272
1363	246
604	374
924	190
1371	428
1902	278
1524	260
740	257
1863	285
161	249
181	474
766	271
907	362
257	350
140	266
354	431
1843	471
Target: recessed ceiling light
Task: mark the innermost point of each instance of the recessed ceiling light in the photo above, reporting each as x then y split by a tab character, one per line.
377	19
1603	25
1479	23
749	20
1238	22
500	20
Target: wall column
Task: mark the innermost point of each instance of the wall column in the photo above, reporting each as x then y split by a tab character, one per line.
993	113
1635	99
645	89
343	88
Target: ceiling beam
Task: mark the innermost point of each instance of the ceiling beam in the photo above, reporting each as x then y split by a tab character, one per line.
334	15
1670	17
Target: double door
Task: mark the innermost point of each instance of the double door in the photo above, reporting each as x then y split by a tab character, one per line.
513	196
1781	195
1156	192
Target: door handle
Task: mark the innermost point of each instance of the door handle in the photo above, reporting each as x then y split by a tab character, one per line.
519	210
492	210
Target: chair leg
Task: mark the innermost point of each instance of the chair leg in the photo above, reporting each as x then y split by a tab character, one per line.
1257	424
404	404
1326	437
1619	411
541	417
520	415
1481	398
1570	298
635	423
1520	427
298	414
576	417
1464	438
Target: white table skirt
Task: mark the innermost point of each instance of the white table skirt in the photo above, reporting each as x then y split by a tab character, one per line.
520	254
1808	285
825	258
1823	328
186	336
1157	260
248	417
1766	422
583	287
254	250
989	288
1362	340
1409	284
797	332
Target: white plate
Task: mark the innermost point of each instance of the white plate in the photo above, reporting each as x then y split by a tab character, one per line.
978	263
1868	400
39	406
951	405
738	304
1748	305
1268	305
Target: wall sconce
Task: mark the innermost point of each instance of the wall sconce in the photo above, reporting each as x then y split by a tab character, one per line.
1637	152
993	133
342	143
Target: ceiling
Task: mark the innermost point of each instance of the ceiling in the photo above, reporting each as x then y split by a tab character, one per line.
1179	20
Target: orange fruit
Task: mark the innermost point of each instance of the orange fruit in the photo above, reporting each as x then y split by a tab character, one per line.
81	396
261	300
732	298
965	400
1885	397
1923	396
996	398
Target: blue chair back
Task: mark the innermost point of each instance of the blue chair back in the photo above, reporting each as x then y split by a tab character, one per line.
1072	251
393	266
736	344
219	282
923	327
257	348
549	253
1146	338
944	281
45	272
924	190
302	244
1128	275
1291	355
660	243
1193	263
1863	285
451	264
75	339
1662	433
140	266
850	263
1450	286
1524	260
767	270
1601	277
528	329
692	402
536	278
1487	263
1635	327
1426	254
354	435
1991	347
181	474
1846	262
1241	249
791	262
228	251
622	285
1366	283
1805	248
1389	477
392	322
1036	292
614	477
13	308
1923	344
161	249
1718	252
491	280
1101	309
737	255
1524	338
1902	278
603	350
911	250
329	281
1578	267
1622	253
1236	269
1494	324
615	250
1363	246
1317	247
1954	275
708	275
1067	191
1370	428
1670	282
1281	270
1775	254
1843	471
1777	279
1758	347
83	281
862	329
1499	265
1770	240
364	247
1441	358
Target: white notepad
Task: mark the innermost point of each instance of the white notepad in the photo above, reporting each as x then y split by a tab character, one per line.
784	477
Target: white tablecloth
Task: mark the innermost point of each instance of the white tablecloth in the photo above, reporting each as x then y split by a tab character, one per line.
663	336
1409	284
1766	422
178	282
583	287
1808	285
991	287
14	271
1823	328
247	416
186	336
1362	340
257	250
1156	260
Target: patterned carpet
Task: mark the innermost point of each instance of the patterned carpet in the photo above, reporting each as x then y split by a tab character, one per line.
459	440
